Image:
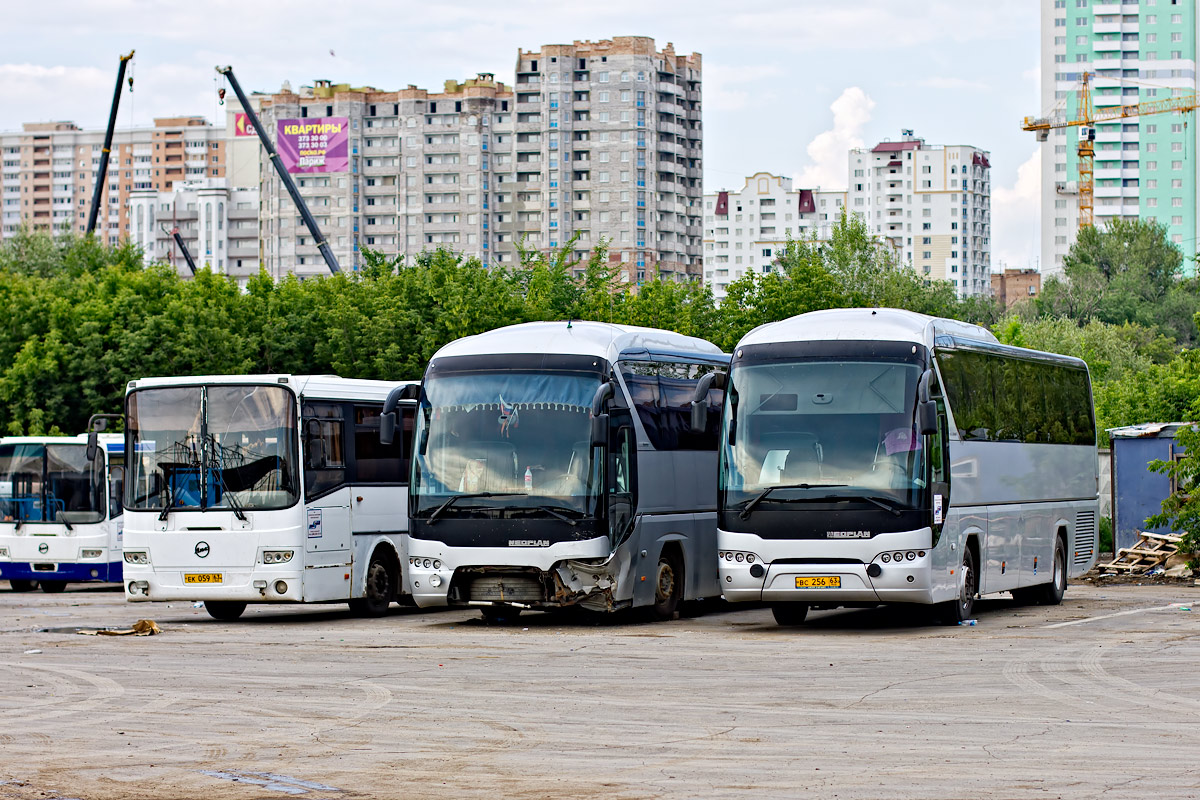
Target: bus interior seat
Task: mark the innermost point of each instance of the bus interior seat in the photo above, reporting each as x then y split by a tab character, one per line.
803	464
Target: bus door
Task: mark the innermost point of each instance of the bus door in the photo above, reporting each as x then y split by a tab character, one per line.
326	485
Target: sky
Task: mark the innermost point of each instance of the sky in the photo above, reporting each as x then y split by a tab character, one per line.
788	87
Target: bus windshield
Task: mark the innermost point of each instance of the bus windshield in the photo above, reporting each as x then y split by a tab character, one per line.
814	429
50	483
506	441
212	447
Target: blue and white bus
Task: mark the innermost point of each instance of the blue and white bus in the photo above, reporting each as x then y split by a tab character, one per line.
60	512
880	456
555	465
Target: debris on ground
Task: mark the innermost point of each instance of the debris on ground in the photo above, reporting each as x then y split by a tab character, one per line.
143	627
1147	556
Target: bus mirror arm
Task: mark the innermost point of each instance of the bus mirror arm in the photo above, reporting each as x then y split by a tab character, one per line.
96	424
700	398
926	407
599	432
387	419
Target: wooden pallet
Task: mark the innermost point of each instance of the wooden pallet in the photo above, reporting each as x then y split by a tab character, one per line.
1150	550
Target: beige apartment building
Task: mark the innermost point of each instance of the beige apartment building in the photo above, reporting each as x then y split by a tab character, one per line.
596	140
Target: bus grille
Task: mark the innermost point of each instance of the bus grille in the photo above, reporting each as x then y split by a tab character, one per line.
1085	536
507	589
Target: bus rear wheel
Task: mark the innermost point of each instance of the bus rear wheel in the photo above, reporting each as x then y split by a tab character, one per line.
668	585
789	614
1051	594
379	591
22	585
224	610
53	587
959	610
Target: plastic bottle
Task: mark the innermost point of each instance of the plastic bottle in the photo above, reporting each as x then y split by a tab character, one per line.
528	479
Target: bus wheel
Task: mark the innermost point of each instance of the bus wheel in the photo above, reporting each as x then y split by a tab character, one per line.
380	589
22	585
1051	594
500	614
53	587
789	614
224	610
668	585
959	610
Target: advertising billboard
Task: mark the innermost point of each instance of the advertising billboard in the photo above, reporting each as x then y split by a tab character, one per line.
242	126
316	144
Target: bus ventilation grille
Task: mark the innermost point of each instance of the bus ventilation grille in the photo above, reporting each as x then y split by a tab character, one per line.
1085	536
507	588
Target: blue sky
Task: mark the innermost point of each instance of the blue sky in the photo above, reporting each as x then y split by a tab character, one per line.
788	86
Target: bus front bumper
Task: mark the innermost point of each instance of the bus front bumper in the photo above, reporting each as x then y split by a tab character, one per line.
236	585
98	570
857	573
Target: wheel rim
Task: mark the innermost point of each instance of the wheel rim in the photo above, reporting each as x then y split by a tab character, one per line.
968	586
1060	569
665	586
378	583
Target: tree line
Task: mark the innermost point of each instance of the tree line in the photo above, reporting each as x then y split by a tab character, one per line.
83	318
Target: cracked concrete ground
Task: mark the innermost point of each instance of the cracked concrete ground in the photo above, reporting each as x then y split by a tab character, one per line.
311	702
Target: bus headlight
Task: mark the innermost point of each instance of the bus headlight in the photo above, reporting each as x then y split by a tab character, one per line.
137	557
92	553
3	552
276	556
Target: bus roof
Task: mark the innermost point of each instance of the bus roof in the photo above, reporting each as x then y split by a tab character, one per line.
579	337
863	324
323	386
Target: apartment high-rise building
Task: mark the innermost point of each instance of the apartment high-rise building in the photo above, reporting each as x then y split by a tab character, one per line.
597	140
1144	166
48	171
746	230
932	203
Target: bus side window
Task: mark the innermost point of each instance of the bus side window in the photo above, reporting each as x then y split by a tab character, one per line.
620	482
375	462
324	448
116	490
937	448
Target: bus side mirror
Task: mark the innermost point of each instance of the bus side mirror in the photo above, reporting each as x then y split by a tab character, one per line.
93	446
600	430
700	398
927	417
387	419
96	424
604	393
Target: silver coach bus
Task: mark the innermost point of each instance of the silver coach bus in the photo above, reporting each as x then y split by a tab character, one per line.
555	465
876	456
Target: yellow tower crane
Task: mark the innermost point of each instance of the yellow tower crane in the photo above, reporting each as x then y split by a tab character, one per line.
1086	118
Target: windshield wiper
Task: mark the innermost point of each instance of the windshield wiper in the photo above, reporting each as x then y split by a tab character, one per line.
226	494
886	503
455	498
556	512
745	512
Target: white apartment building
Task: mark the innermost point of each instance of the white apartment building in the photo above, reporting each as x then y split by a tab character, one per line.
745	231
932	203
1144	166
219	226
599	140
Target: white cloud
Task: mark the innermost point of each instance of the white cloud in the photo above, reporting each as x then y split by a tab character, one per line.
729	88
1016	218
827	151
28	86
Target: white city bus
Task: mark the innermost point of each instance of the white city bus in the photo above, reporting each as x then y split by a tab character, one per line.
60	512
556	465
834	489
264	489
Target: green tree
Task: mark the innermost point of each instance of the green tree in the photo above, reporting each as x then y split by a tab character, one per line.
1181	509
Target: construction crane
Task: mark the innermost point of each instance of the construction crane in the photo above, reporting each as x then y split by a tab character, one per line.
102	175
187	256
284	176
1086	118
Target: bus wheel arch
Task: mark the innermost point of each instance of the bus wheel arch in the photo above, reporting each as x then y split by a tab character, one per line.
670	576
381	583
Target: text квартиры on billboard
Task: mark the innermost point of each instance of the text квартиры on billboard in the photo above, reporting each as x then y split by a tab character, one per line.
317	144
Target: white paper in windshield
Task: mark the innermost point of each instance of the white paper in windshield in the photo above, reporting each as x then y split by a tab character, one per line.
6	489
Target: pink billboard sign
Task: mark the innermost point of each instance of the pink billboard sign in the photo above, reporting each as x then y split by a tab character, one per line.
317	144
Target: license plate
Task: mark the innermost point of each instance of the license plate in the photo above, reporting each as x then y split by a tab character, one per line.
819	582
202	577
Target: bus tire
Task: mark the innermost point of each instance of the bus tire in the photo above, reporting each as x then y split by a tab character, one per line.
22	585
53	587
789	614
379	588
668	585
1051	594
959	610
224	610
